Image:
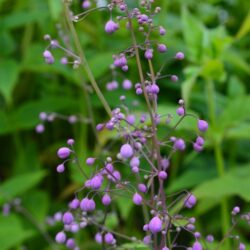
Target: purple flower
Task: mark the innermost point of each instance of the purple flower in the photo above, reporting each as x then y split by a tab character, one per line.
242	246
127	84
63	152
180	111
162	48
60	237
67	218
96	182
126	151
98	238
106	200
70	243
40	128
202	125
197	246
60	168
87	205
162	31
162	175
148	54
174	78
142	188
155	225
109	238
90	161
179	56
236	210
111	27
147	240
137	199
179	144
190	201
210	238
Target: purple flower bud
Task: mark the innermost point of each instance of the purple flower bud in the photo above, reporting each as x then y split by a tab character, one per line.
43	116
135	170
106	200
125	68
200	141
180	111
109	168
90	161
155	89
72	119
174	78
130	119
63	152
179	56
148	54
74	204
179	144
127	84
145	227
98	238
190	201
197	246
134	162
190	227
202	125
139	91
40	128
109	238
126	151
47	54
67	218
236	210
87	205
86	4
162	31
60	168
147	240
164	163
162	175
210	238
137	199
96	182
60	237
142	188
64	60
197	235
155	225
111	27
197	147
165	248
100	127
242	246
162	48
70	243
70	142
58	216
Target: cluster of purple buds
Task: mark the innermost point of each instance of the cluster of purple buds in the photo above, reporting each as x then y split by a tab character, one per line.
120	61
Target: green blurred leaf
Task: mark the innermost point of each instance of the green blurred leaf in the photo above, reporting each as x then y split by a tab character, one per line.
124	205
132	246
100	63
214	70
17	185
236	87
27	115
193	35
9	71
235	182
12	232
245	27
55	7
191	74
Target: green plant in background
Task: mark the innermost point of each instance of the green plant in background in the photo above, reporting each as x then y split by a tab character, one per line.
214	86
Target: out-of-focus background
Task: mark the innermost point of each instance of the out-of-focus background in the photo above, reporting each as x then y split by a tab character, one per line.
213	80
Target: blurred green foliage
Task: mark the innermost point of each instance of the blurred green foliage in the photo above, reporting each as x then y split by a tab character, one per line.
213	82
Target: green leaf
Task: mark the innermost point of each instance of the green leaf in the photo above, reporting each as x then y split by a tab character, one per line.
19	185
9	71
214	70
100	63
236	87
236	182
132	246
55	7
191	74
245	27
12	232
193	35
26	116
124	205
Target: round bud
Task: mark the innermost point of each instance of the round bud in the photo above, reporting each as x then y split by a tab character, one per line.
202	125
63	152
60	237
155	225
137	199
67	218
126	151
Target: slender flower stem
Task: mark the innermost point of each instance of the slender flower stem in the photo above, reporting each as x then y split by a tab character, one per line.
84	62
